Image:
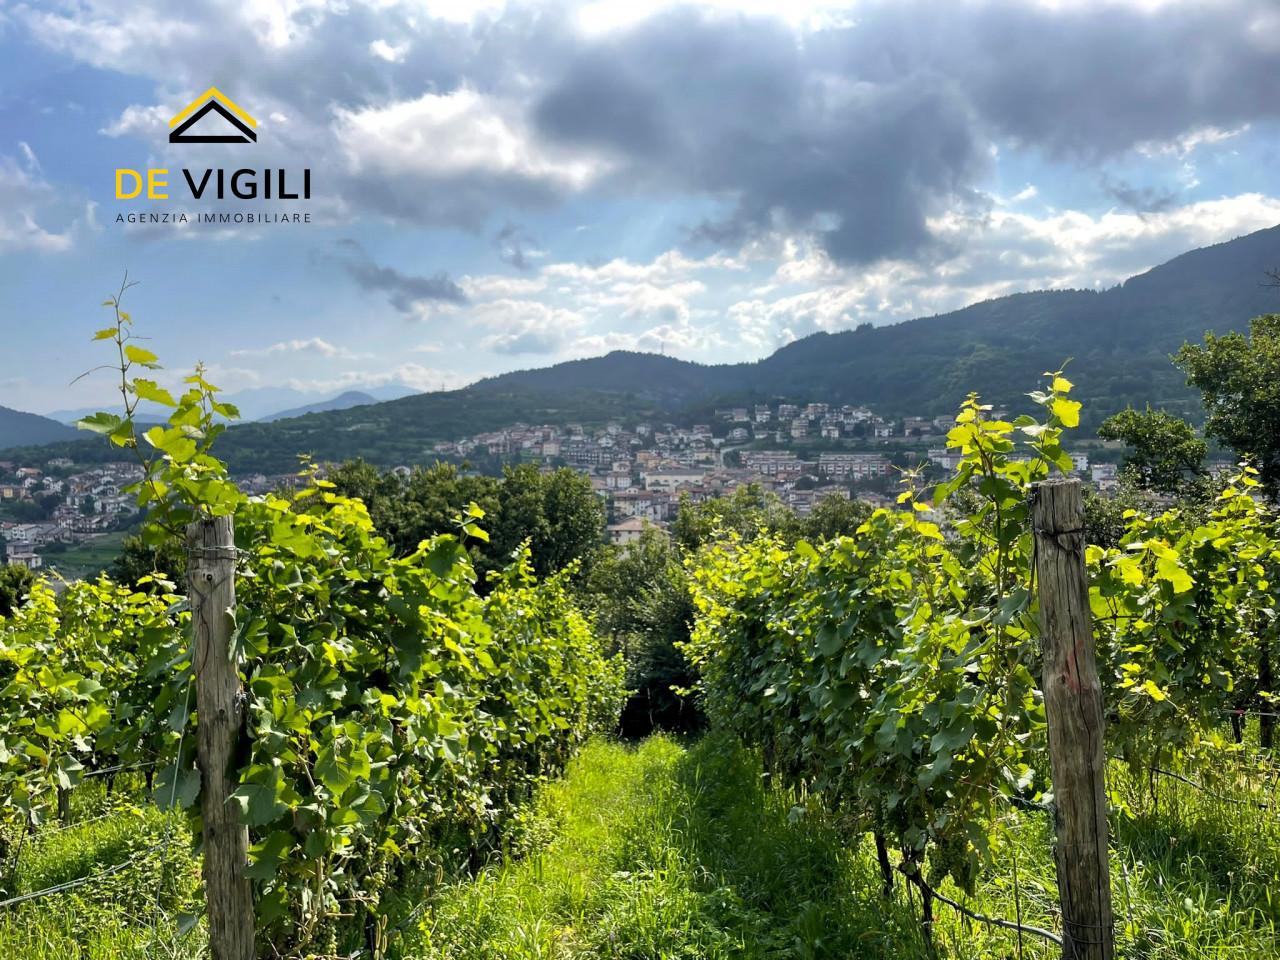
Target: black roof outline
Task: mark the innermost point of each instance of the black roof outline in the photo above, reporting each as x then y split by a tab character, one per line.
179	134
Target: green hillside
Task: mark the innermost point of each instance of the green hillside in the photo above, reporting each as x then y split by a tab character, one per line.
1119	341
18	429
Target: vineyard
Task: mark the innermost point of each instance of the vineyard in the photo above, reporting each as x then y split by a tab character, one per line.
952	731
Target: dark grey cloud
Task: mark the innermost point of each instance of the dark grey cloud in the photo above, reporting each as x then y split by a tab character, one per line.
1143	199
859	131
862	131
513	244
1088	80
405	291
736	108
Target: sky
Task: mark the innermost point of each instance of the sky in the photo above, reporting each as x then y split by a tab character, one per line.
498	186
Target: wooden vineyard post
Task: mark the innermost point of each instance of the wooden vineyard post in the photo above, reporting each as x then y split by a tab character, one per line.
219	714
1073	709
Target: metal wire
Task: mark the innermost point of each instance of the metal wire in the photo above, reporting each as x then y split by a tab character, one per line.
81	881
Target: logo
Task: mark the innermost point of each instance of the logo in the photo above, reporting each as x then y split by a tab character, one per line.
212	100
223	121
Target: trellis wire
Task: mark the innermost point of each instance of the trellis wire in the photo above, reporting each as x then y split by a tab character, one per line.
80	881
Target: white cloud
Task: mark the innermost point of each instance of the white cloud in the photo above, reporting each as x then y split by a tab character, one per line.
1002	253
412	375
311	345
136	120
525	326
27	199
1189	141
439	136
496	286
385	51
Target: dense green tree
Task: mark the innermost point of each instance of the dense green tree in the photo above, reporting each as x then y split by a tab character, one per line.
15	581
1104	515
834	516
1239	377
1165	450
748	511
36	510
139	559
408	510
557	512
641	599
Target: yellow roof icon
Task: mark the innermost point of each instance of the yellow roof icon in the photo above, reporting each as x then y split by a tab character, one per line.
212	100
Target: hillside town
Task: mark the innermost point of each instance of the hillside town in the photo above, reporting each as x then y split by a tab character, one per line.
642	470
59	503
801	452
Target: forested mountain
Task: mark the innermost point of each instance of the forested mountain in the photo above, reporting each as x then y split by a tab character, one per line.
1119	342
22	429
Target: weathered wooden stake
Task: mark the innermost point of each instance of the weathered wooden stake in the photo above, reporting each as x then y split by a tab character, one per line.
1073	708
219	715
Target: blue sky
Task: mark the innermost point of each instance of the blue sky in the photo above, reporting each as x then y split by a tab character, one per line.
498	186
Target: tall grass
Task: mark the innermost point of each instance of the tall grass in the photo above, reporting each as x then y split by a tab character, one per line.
665	851
129	913
672	851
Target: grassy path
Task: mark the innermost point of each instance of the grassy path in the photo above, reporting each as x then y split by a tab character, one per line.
672	852
663	852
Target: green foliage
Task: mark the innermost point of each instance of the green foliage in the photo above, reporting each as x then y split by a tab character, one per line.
390	706
833	516
642	602
557	513
747	512
408	510
895	671
92	678
394	714
138	560
1184	607
1239	377
15	584
1166	451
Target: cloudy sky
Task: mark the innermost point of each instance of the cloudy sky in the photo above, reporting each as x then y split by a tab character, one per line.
503	185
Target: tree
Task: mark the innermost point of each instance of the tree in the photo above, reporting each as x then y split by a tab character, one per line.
1165	450
15	582
834	516
429	501
139	559
1239	378
748	511
559	513
641	600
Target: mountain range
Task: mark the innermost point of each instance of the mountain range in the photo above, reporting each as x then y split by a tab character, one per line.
1118	343
266	403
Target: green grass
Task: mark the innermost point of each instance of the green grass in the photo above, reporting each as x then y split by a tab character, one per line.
673	851
86	560
130	913
663	852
